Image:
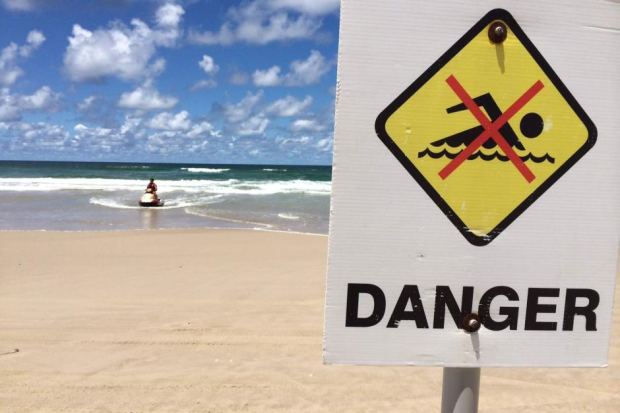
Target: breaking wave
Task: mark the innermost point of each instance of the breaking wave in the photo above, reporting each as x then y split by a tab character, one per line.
173	203
285	215
127	167
196	186
206	170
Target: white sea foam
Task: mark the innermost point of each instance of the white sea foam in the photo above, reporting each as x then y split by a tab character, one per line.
206	170
127	167
57	184
196	186
274	170
291	217
171	203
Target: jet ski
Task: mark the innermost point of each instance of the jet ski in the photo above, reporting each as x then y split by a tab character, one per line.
148	199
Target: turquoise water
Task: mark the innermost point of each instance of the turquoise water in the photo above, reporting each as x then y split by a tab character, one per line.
104	196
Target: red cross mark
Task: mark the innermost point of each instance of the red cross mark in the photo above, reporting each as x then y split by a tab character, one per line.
491	129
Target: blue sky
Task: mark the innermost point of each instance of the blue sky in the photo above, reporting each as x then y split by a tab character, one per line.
201	81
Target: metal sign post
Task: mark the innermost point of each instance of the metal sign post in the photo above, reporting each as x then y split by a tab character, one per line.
461	387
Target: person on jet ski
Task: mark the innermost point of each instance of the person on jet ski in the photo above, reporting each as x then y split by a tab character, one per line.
152	188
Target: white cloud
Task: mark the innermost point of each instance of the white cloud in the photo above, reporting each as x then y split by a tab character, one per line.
131	125
11	54
167	30
9	112
208	65
169	15
119	50
203	84
243	109
44	98
9	71
256	125
171	134
169	121
47	136
311	125
289	106
135	138
12	106
246	117
267	77
225	36
83	130
316	7
202	128
265	21
279	27
174	131
301	72
20	5
87	103
324	145
309	71
161	134
38	138
34	40
155	69
146	98
293	142
251	117
98	140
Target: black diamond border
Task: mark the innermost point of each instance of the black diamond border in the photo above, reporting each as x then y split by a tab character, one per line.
506	17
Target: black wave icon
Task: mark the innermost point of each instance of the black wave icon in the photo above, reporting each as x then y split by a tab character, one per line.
531	126
486	157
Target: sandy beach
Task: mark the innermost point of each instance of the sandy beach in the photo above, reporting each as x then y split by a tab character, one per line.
214	321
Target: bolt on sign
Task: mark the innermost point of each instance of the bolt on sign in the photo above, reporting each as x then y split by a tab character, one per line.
475	188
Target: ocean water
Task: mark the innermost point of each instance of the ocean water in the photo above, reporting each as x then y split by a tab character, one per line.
104	196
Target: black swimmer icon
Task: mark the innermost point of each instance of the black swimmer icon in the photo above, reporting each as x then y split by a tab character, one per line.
531	126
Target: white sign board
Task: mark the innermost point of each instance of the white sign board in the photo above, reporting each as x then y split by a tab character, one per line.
475	178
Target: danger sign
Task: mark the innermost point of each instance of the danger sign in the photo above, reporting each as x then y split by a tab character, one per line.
486	143
475	192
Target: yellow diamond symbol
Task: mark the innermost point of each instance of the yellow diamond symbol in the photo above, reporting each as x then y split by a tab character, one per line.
487	129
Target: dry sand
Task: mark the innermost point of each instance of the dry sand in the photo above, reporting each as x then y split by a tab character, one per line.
214	321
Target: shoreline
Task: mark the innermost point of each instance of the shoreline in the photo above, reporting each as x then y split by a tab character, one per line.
95	196
129	230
